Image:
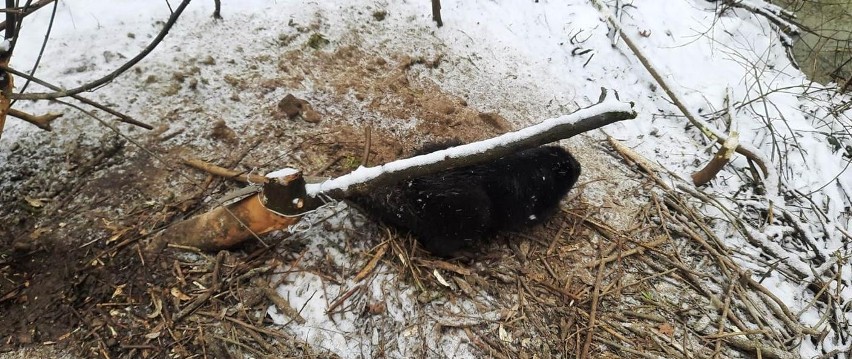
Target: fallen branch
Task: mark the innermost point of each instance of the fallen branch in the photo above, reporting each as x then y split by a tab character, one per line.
364	272
639	249
224	172
283	305
42	121
121	117
282	201
213	290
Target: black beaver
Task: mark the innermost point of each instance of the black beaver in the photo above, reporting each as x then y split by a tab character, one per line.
453	209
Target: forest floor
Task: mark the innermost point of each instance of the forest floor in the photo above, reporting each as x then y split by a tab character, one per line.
630	266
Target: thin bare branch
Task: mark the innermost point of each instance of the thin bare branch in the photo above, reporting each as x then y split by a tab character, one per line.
112	75
29	10
40	51
121	117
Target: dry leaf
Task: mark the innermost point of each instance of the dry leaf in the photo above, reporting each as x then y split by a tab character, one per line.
179	295
118	291
158	306
666	329
503	334
35	202
440	278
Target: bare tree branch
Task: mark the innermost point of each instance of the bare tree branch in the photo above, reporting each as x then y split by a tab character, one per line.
42	122
29	10
40	51
121	117
111	76
6	81
224	172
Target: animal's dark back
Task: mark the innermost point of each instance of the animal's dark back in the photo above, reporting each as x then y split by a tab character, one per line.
527	186
453	209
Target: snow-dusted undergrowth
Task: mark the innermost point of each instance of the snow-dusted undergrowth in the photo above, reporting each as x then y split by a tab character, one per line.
532	61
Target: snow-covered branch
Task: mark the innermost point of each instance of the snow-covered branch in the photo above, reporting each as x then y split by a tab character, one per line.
554	129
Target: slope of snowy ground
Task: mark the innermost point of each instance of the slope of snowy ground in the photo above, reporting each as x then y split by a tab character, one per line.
528	61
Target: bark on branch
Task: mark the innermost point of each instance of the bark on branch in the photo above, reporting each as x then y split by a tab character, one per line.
725	153
6	80
224	172
718	162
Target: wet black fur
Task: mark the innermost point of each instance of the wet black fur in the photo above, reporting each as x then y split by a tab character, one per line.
450	210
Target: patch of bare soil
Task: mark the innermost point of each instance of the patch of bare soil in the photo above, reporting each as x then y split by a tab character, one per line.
72	275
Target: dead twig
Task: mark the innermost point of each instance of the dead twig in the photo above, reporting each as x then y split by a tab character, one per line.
364	272
214	289
224	172
283	305
41	121
639	249
596	290
368	137
343	298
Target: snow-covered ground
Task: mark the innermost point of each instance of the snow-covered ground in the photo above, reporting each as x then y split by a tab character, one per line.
529	61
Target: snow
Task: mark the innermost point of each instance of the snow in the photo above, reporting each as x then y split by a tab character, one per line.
284	172
530	53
